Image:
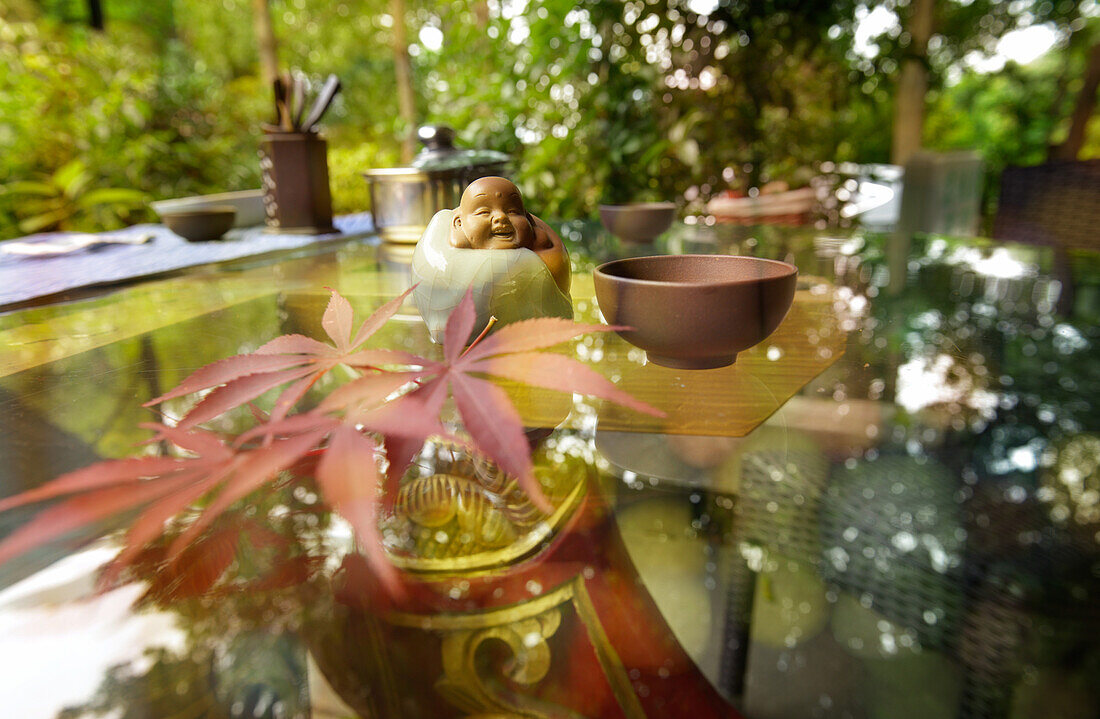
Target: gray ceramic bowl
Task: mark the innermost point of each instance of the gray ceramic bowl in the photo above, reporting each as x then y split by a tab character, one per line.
248	203
637	221
200	225
695	311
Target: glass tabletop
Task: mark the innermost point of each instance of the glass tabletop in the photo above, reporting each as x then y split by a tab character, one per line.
889	508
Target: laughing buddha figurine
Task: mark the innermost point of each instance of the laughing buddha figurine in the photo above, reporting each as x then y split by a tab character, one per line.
517	266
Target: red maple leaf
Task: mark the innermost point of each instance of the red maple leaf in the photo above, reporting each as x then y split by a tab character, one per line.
347	471
202	569
162	487
195	572
494	425
397	409
289	358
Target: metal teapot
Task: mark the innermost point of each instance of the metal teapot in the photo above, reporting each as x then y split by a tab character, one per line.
404	199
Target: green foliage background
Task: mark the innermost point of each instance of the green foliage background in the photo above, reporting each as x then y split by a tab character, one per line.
598	101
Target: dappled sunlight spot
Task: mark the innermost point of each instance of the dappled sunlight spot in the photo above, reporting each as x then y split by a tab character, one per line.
1070	484
923	382
998	264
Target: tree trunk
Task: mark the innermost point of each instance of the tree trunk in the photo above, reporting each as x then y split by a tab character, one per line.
1073	40
265	42
1082	110
912	85
406	101
95	14
481	13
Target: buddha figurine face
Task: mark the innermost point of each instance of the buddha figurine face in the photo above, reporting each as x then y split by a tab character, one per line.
491	216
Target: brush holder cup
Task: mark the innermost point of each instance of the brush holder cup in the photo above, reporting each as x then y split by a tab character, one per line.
295	183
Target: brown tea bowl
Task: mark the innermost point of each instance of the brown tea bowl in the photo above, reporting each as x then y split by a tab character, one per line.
637	221
695	311
201	224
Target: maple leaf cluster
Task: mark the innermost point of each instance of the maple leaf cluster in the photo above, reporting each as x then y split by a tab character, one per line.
379	420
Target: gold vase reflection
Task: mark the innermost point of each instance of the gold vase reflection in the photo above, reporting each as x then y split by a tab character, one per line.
508	611
461	513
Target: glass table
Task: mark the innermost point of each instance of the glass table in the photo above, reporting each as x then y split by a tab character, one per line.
890	508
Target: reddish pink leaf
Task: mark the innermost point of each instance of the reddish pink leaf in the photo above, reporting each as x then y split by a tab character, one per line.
415	414
288	573
396	419
337	321
306	467
561	373
349	469
238	392
200	569
227	370
369	390
261	537
291	396
197	569
289	426
496	428
377	358
530	335
203	443
252	470
296	344
348	477
459	326
83	510
400	450
150	524
428	398
355	585
379	317
99	476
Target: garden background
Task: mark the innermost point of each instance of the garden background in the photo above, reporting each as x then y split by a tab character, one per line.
106	104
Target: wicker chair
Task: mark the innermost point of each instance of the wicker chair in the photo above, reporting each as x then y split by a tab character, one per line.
1053	204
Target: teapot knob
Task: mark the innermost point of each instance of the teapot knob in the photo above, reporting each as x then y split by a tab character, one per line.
437	137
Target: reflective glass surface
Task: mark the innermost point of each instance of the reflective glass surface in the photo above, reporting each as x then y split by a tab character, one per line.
889	508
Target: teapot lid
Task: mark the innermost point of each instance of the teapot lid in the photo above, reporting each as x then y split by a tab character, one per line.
439	152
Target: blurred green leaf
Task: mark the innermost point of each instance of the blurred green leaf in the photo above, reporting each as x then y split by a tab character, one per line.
28	187
595	101
45	221
111	196
72	177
